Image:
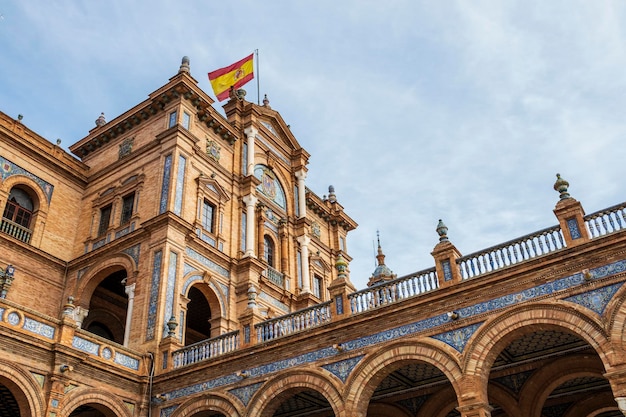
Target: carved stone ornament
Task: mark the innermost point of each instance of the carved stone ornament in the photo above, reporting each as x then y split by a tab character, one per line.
213	150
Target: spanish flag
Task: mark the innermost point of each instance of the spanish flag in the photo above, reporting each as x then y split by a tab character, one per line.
234	76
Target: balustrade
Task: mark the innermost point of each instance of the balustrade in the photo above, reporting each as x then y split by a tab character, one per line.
512	252
393	291
276	277
15	230
606	221
206	349
292	323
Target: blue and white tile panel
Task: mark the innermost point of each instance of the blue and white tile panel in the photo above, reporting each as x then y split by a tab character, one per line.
105	352
31	325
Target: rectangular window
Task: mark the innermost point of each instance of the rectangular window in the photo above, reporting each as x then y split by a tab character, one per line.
105	219
342	244
128	203
207	216
296	200
173	118
317	286
186	120
244	159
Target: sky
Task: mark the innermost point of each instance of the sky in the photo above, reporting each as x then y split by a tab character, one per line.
413	110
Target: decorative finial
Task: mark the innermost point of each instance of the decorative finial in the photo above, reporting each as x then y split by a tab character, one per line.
184	65
241	94
171	326
331	194
341	266
100	121
561	187
20	117
59	141
442	231
266	102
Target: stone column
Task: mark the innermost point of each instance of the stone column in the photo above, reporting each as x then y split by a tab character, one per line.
621	404
251	133
301	176
130	291
304	241
250	202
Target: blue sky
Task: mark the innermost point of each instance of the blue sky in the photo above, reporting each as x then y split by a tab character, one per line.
414	110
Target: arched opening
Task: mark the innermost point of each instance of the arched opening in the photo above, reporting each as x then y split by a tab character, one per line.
269	250
108	307
550	372
298	402
92	410
9	403
413	389
198	323
19	213
207	413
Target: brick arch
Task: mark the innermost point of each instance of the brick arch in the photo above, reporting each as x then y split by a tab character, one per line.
267	400
592	407
209	286
491	338
616	315
369	374
15	180
105	399
504	398
99	271
536	390
210	402
24	388
440	404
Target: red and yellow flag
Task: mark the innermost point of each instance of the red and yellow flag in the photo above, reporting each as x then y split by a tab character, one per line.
234	75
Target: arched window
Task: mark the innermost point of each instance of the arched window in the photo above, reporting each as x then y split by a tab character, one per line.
19	208
18	214
268	245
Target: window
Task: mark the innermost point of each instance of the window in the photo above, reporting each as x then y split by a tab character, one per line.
268	245
186	119
173	117
317	286
207	215
19	208
105	219
128	204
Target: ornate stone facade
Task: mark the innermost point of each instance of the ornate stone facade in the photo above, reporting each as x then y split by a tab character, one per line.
181	268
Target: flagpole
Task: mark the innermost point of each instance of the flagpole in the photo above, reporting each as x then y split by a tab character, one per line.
258	89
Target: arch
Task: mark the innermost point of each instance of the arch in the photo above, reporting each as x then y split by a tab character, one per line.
616	315
216	296
210	402
592	407
106	399
23	387
271	395
491	338
99	271
271	186
372	370
544	381
9	183
504	398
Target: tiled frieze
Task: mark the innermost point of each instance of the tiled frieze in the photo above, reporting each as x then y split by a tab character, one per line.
245	393
342	369
596	300
154	295
458	338
207	262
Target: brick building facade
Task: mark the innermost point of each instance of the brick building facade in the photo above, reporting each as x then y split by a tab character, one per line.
178	266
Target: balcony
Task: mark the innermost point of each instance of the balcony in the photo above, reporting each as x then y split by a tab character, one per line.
15	230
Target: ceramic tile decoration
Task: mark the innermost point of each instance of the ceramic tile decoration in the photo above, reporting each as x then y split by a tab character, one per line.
342	369
596	300
154	295
458	338
245	393
38	328
165	188
8	168
207	262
